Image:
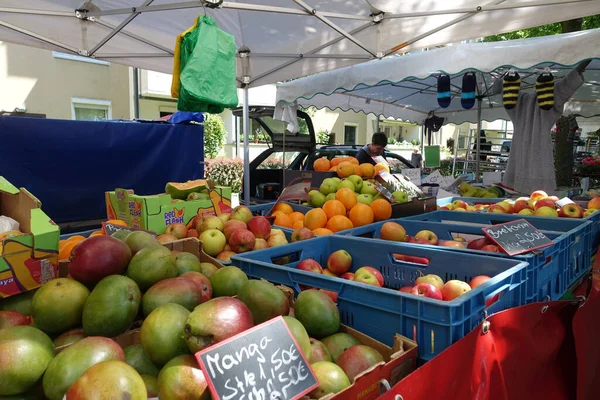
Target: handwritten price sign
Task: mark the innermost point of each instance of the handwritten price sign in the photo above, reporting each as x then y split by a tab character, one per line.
110	229
264	362
517	237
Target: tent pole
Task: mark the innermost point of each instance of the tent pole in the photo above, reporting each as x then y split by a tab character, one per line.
477	137
246	122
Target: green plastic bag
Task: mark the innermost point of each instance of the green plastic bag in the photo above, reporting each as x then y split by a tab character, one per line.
208	62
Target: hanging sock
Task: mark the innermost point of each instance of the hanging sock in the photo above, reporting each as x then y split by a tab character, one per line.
512	85
544	88
469	84
444	96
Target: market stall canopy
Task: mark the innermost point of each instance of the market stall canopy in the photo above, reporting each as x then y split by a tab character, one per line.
405	87
286	38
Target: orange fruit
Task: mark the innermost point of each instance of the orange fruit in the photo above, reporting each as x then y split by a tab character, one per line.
97	233
321	164
116	222
286	208
296	216
367	170
380	167
322	232
78	238
334	207
65	247
345	169
339	223
352	160
283	220
276	213
361	214
382	209
315	218
347	197
358	170
333	169
337	160
298	225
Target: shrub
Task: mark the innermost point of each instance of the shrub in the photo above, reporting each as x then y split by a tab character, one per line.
225	172
214	135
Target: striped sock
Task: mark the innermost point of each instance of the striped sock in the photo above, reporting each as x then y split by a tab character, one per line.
469	85
510	93
544	88
444	96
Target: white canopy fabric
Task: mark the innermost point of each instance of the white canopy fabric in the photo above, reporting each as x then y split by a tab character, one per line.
287	38
405	87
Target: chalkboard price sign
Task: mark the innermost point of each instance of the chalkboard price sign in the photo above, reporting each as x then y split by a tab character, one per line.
110	229
264	362
517	237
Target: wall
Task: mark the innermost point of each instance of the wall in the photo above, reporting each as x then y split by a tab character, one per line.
150	108
36	80
333	121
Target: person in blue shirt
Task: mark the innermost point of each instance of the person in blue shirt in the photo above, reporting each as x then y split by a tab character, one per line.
373	149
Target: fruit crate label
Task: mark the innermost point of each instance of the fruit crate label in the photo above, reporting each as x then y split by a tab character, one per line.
414	174
384	192
517	237
110	229
264	362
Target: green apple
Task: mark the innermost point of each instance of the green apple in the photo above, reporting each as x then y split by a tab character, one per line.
358	182
400	197
365	199
336	179
317	199
328	186
330	196
346	184
369	188
378	196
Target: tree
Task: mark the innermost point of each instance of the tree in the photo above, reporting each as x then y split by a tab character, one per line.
563	148
214	135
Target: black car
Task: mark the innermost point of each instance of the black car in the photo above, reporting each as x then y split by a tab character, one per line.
301	149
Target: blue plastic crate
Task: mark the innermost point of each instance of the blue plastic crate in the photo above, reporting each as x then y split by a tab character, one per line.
545	273
83	233
383	312
580	233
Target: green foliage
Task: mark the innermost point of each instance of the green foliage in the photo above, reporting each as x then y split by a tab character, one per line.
302	122
214	135
590	22
323	137
415	142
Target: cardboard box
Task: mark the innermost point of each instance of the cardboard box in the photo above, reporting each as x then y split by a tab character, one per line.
30	260
156	212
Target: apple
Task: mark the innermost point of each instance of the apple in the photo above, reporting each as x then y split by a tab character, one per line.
225	256
241	213
348	276
164	238
471	208
478	280
460	239
260	244
454	288
405	289
192	233
526	211
538	194
444	208
242	240
366	277
330	196
392	231
302	234
328	186
365	199
357	181
224	217
260	227
508	208
232	225
594	203
277	240
521	205
310	265
361	272
571	211
460	209
429	236
453	243
275	232
495	208
327	272
432	279
400	197
545	202
414	240
480	207
553	198
460	203
589	212
177	230
477	244
339	262
492	248
369	188
546	212
332	295
213	241
210	222
227	248
346	184
427	290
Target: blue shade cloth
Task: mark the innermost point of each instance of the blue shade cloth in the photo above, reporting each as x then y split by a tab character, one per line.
68	165
182	117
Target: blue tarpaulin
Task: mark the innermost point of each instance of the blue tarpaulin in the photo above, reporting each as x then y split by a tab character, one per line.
68	165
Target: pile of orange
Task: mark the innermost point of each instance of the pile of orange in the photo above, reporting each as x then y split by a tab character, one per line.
346	166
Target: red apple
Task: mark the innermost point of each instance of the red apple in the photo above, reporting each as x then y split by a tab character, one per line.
392	231
427	290
310	265
241	213
405	289
526	211
491	248
444	208
460	203
231	226
538	194
327	272
416	240
210	222
478	280
225	256
571	210
277	240
332	295
227	248
453	243
432	279
260	244
177	230
507	206
361	273
242	240
192	233
193	223
521	205
545	202
454	288
260	227
339	262
477	244
428	235
348	275
495	208
546	212
164	238
302	234
460	209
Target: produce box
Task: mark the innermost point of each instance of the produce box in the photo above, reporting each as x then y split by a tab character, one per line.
156	212
578	249
28	260
314	177
383	312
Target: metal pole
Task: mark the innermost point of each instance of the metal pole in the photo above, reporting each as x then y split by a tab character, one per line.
246	117
478	137
136	94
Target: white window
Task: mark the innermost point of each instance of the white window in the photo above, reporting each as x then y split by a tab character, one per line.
90	109
73	57
350	133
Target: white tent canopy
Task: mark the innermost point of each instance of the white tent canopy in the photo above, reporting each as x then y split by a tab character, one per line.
287	38
406	87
